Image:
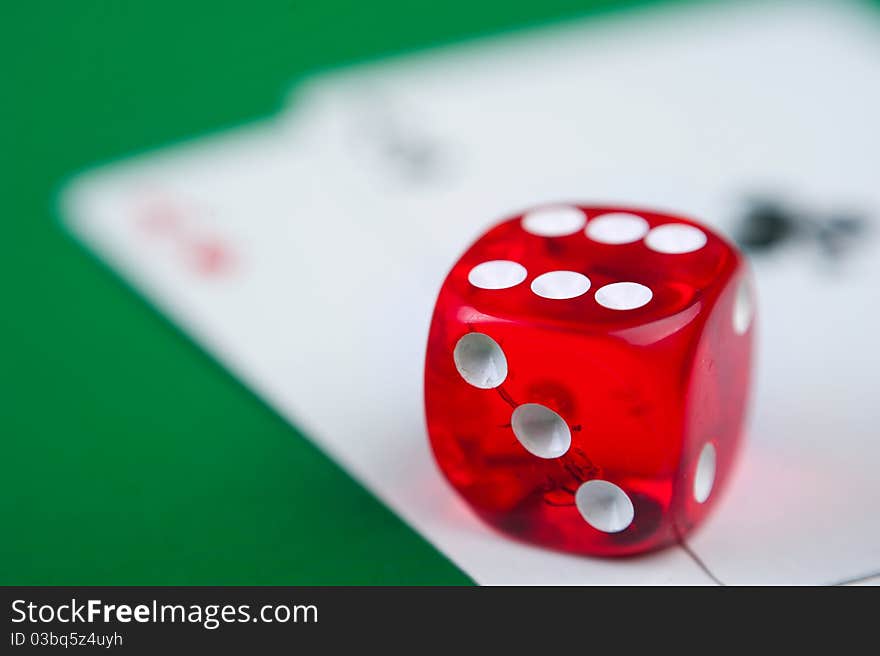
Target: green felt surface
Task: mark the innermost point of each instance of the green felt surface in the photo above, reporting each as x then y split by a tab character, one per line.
128	455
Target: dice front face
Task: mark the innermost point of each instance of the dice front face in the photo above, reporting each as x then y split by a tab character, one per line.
587	376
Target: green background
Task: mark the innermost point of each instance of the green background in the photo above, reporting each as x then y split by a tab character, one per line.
129	456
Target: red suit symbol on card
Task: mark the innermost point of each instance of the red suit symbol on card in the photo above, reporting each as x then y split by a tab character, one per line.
193	242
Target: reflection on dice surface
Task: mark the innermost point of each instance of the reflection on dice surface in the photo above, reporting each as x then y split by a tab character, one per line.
587	376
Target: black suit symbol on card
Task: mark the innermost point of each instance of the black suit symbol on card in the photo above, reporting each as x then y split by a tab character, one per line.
767	224
400	141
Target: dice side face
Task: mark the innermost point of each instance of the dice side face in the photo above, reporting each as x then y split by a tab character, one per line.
717	399
620	406
559	411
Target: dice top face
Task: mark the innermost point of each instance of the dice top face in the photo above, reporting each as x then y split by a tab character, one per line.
591	269
587	375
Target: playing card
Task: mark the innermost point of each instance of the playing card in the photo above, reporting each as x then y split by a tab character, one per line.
278	298
695	112
305	254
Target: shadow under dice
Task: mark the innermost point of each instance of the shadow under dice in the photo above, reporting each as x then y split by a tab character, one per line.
587	376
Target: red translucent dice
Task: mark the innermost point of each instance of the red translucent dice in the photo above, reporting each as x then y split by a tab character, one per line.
587	375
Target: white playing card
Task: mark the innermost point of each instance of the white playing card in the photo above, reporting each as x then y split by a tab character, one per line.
306	255
319	314
779	99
